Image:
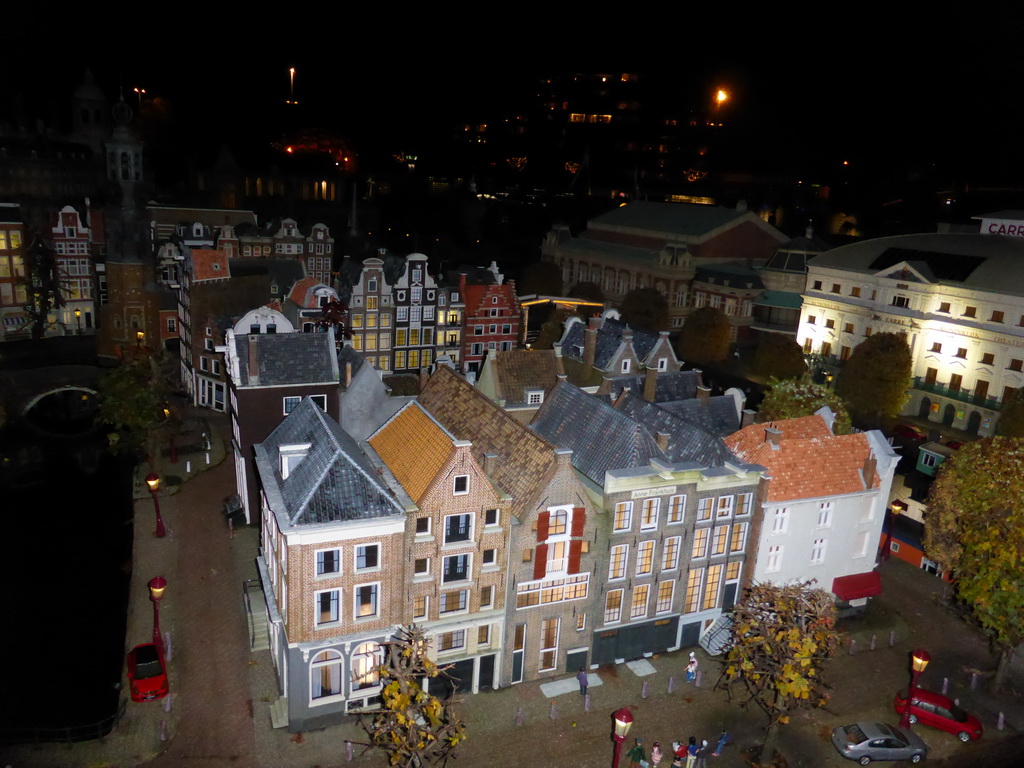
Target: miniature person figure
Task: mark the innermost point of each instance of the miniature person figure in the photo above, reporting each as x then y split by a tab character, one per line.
678	754
691	752
656	754
722	741
581	677
702	754
691	668
637	754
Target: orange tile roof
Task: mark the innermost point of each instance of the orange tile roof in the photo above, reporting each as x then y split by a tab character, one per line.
301	290
210	264
414	447
810	461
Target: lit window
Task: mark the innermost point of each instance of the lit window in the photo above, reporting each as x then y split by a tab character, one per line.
704	507
943	306
328	607
711	587
452	641
645	558
739	537
670	553
720	540
365	600
638	609
676	509
419	606
617	562
548	644
693	584
613	606
970	311
623	516
453	602
666	591
325	675
649	514
743	503
700	543
366	660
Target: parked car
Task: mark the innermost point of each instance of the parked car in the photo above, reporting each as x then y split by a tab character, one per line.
909	432
940	712
147	674
865	742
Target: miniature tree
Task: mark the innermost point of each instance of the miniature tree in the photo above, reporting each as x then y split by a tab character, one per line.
416	729
875	381
131	403
705	336
335	314
644	309
782	637
792	399
976	530
43	284
778	356
1011	418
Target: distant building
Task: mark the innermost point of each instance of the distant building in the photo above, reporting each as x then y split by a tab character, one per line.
14	320
491	318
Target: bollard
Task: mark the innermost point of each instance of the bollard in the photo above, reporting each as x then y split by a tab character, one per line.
957	701
945	686
643	690
892	637
553	712
348	751
853	645
1000	722
188	466
168	648
974	680
207	458
697	681
167	702
519	716
586	703
874	641
671	683
163	730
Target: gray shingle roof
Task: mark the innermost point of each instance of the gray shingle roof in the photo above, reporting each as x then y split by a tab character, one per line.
286	359
609	337
716	415
688	440
672	385
334	482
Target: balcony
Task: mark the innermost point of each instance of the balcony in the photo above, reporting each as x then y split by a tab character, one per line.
963	395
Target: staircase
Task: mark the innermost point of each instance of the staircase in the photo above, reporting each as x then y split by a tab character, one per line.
256	616
279	712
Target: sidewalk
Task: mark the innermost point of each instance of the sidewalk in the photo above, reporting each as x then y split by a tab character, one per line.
219	710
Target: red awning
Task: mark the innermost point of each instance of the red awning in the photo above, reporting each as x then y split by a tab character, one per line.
857	585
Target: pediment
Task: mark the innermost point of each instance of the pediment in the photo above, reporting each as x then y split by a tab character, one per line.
907	272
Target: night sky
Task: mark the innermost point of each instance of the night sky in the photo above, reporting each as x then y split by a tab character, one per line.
866	85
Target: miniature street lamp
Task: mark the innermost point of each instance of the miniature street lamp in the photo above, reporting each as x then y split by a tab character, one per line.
896	508
153	481
623	720
157	585
918	661
78	319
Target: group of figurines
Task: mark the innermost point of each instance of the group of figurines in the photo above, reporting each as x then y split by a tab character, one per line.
691	754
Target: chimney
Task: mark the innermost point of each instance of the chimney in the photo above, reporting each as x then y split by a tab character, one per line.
704	393
254	360
773	436
559	364
662	440
490	464
424	375
348	374
870	466
590	344
700	376
747	417
462	288
651	384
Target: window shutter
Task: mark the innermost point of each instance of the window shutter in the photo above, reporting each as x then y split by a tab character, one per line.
579	517
540	562
575	550
542	525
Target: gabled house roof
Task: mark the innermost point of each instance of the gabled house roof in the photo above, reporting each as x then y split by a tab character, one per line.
806	460
688	440
415	448
517	371
333	482
671	385
302	293
717	415
284	359
609	339
523	460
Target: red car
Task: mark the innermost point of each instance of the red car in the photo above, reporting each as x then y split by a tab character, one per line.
909	432
938	711
147	675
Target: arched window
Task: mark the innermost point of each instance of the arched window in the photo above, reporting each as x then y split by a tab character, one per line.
325	675
366	659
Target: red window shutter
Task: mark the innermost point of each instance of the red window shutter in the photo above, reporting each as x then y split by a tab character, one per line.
543	522
540	562
579	517
575	550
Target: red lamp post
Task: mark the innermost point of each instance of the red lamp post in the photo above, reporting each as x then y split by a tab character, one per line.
157	585
623	720
153	481
918	661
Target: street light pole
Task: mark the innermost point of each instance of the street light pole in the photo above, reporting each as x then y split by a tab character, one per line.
157	585
153	481
78	320
918	661
623	720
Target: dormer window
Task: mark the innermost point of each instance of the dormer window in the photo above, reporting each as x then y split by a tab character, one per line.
534	396
625	366
291	456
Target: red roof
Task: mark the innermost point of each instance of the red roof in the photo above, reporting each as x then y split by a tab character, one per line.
857	585
209	264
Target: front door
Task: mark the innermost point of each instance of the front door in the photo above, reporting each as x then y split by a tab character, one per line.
518	649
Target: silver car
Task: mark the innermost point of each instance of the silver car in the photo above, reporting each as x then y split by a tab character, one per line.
865	742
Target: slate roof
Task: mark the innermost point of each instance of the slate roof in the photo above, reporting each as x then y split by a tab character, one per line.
716	415
609	338
675	219
810	462
286	359
691	439
220	304
996	262
518	370
349	354
671	385
524	459
335	481
415	448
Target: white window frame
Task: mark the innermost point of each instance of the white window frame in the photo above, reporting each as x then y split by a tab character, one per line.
465	558
645	554
336	611
609	617
663	604
670	550
818	549
773	562
469	536
462	602
359	553
649	509
617	561
460	480
626	510
825	514
780	520
375	587
548	649
676	509
637	608
320	561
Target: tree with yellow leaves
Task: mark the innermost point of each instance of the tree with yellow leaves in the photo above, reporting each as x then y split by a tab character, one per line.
415	728
782	637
